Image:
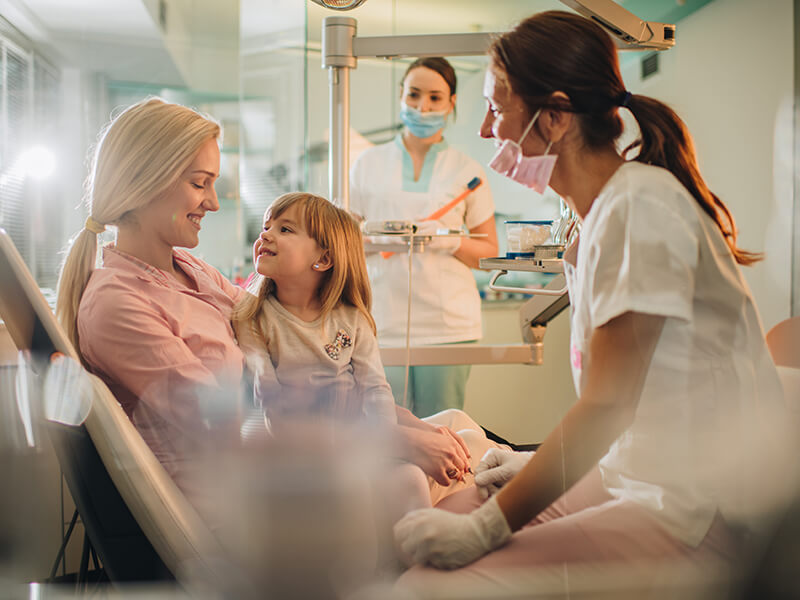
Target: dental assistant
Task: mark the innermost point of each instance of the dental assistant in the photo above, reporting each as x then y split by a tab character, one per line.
667	350
408	179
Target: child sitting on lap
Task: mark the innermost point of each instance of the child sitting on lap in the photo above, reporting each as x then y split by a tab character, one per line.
306	329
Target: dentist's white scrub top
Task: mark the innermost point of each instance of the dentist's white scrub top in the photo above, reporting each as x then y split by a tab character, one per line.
445	306
647	246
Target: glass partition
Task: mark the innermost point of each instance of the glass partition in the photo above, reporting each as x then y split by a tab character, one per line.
375	86
253	64
67	68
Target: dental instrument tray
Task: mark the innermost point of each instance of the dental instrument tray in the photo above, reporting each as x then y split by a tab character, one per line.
387	227
544	259
400	241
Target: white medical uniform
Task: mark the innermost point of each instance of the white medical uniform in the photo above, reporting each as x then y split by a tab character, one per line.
445	302
646	246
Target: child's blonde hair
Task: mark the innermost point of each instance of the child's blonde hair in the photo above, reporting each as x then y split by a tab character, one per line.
336	232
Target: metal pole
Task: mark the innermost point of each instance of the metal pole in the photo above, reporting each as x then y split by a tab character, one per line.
339	145
338	58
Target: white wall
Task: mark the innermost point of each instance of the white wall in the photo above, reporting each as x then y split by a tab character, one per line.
202	38
730	77
521	402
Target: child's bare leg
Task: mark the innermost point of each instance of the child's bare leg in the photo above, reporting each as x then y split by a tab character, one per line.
404	488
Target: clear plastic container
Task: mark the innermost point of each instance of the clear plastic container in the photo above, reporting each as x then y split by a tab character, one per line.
522	237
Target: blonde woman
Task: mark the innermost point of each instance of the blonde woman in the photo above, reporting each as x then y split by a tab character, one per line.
152	320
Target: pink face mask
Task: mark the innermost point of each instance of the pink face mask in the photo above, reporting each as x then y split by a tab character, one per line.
532	171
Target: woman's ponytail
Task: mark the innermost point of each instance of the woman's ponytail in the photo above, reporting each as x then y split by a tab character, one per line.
665	142
587	70
75	272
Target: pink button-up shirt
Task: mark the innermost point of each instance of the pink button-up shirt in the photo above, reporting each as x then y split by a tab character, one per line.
166	351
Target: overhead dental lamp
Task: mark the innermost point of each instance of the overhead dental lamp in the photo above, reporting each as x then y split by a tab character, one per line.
628	31
339	4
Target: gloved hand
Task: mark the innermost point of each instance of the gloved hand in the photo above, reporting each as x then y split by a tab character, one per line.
498	467
446	540
448	244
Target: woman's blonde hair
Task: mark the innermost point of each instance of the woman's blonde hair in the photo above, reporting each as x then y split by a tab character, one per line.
139	155
337	233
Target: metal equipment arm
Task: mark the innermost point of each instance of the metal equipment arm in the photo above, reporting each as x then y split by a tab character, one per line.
341	48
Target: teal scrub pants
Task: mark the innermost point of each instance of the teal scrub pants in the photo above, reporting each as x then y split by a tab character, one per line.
431	389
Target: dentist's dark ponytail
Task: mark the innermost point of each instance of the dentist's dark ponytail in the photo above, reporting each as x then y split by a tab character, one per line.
559	51
666	142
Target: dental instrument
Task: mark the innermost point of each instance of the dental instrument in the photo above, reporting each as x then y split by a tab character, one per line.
473	184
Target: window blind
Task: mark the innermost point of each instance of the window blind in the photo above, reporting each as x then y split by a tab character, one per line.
28	116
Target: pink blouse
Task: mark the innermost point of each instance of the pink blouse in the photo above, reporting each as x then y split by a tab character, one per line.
166	351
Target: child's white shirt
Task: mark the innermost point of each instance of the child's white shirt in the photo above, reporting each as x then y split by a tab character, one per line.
305	363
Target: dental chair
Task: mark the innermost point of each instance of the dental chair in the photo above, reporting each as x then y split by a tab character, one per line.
774	574
138	522
783	341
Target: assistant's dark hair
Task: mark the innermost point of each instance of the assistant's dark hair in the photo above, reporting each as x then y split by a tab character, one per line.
557	51
438	64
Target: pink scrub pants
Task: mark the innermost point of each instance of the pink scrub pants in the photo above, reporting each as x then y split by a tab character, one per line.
584	528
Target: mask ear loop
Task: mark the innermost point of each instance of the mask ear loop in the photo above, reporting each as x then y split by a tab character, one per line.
528	128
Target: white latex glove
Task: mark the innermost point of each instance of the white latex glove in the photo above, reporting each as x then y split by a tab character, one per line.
498	467
442	243
445	540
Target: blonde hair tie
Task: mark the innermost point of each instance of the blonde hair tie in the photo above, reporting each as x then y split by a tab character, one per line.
93	226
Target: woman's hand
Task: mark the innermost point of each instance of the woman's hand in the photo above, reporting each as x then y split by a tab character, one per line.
447	540
438	451
459	440
409	419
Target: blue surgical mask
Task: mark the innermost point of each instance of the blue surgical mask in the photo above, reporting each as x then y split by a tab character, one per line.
422	124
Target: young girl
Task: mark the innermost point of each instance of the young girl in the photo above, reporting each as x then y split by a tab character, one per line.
306	329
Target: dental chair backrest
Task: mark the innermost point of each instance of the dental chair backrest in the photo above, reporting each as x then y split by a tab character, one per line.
783	341
111	472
